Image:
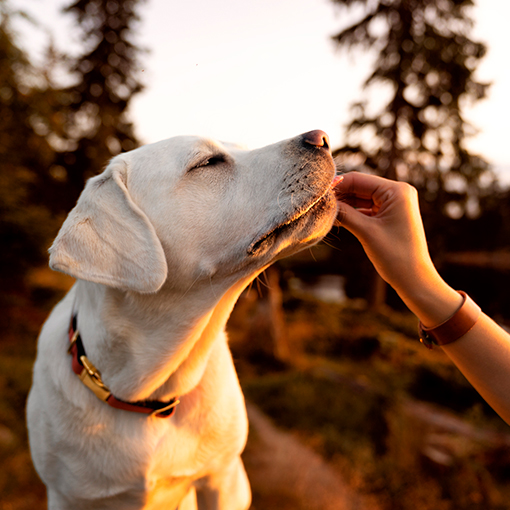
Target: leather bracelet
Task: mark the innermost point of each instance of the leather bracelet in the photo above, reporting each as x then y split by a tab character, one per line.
454	327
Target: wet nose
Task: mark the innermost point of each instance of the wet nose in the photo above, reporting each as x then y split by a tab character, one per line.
316	138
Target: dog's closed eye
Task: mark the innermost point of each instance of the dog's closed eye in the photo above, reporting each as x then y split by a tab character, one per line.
215	160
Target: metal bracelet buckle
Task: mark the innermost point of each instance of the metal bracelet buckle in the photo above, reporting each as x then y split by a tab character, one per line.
426	339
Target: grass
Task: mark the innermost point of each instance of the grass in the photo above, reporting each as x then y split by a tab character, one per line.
24	311
348	392
20	487
344	393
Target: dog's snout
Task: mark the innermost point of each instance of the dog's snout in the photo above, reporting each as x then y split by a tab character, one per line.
316	138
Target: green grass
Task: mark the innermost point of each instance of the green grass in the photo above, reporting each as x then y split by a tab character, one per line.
357	369
20	486
344	398
342	415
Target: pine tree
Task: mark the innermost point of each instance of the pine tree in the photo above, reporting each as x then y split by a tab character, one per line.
26	225
425	61
96	125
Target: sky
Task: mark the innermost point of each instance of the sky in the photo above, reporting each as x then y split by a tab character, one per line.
256	72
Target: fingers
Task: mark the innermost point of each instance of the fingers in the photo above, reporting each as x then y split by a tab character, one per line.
360	186
353	201
367	192
354	198
353	219
360	191
363	195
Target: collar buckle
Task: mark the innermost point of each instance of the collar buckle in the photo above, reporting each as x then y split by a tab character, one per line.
73	340
165	410
91	377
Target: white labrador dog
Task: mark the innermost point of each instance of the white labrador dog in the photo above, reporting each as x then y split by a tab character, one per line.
162	243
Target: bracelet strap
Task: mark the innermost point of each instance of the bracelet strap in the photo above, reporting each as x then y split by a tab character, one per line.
454	327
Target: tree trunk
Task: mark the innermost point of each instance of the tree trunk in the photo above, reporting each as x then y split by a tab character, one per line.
377	298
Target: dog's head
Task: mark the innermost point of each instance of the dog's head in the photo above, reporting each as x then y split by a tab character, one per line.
189	209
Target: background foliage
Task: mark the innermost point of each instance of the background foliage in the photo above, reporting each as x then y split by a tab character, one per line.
357	368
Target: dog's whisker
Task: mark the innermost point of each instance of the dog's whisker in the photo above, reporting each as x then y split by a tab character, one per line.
191	286
312	254
278	201
331	245
212	287
250	287
263	279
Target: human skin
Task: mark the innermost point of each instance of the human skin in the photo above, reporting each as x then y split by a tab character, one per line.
385	217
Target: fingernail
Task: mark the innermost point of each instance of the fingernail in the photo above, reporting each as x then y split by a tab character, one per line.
337	180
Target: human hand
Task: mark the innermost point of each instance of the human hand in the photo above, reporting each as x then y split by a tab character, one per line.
385	217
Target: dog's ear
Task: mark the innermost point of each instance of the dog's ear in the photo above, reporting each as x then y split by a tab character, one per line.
108	239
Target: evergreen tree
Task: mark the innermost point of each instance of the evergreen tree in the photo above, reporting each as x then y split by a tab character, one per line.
425	63
25	156
96	126
52	138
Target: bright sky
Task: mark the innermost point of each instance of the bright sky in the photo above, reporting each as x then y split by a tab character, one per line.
255	72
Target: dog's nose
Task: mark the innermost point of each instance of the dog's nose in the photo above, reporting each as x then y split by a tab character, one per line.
316	138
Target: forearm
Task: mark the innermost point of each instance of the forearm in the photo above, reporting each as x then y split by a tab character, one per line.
482	354
384	215
428	296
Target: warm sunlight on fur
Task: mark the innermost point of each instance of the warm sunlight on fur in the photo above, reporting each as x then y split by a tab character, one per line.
162	243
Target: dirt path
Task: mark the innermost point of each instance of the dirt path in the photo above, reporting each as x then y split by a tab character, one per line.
287	475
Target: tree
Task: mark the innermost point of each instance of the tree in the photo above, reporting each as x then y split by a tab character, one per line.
96	126
52	138
25	223
425	63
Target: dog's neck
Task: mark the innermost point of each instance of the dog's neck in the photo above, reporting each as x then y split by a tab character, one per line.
158	358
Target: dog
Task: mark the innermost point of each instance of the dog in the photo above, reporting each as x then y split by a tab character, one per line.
162	244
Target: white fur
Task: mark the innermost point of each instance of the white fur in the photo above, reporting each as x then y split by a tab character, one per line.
162	245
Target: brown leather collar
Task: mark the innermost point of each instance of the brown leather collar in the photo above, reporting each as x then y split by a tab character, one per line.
91	377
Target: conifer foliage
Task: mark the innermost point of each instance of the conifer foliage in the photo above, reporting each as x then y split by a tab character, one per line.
423	74
106	78
25	155
54	136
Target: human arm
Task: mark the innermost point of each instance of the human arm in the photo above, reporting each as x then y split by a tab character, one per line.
384	215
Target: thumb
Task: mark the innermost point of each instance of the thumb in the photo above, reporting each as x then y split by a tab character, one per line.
352	219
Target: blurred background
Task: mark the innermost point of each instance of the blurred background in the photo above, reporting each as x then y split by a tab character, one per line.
347	409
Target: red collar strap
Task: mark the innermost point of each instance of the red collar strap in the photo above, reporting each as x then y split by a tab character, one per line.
91	377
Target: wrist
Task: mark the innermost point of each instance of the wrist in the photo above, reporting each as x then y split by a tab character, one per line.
431	299
453	328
